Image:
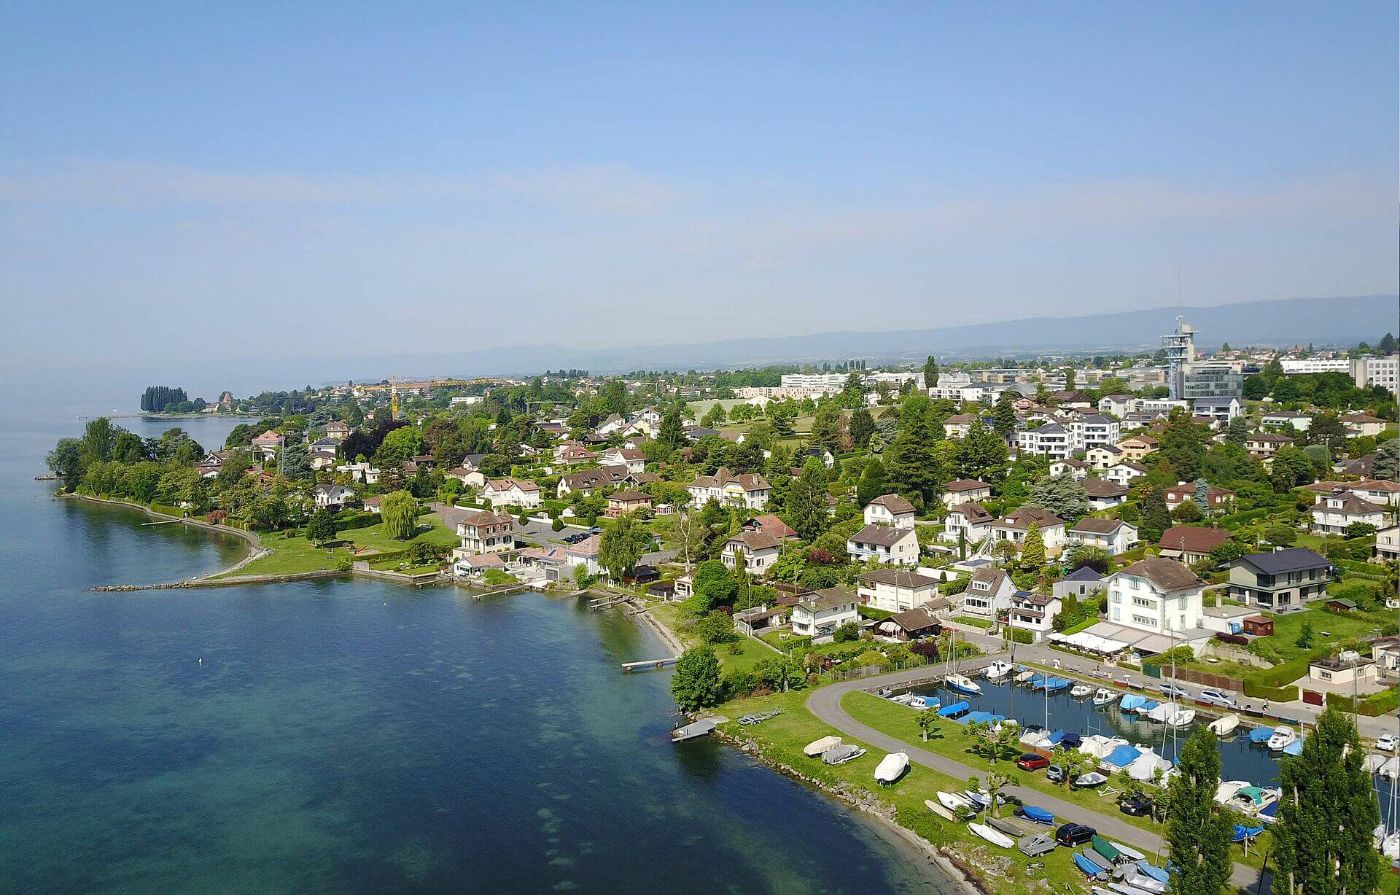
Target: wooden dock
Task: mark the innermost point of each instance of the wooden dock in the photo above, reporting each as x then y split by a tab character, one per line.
649	664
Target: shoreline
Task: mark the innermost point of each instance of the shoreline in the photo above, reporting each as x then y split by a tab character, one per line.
256	550
949	872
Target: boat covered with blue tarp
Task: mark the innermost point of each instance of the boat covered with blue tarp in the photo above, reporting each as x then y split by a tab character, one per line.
1131	701
1037	814
1260	734
957	708
1122	756
981	718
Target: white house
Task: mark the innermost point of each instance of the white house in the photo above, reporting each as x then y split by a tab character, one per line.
1156	595
1013	527
1117	405
749	490
1113	535
1093	429
322	460
1222	410
967	520
1333	513
1075	469
760	551
1103	456
884	544
891	510
633	459
895	590
509	492
586	481
1034	613
988	593
332	496
961	491
360	472
1124	473
957	426
1050	440
819	613
1104	494
1387	546
1363	424
482	531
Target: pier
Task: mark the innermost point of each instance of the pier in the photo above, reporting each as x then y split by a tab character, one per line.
649	664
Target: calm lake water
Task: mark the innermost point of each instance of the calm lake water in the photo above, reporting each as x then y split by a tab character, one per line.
354	737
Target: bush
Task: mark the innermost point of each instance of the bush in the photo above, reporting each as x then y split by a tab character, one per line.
716	627
956	586
846	633
1181	654
1019	635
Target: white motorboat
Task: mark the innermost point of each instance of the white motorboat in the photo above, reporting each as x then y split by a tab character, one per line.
992	836
1283	735
1024	676
997	670
1131	854
1223	727
1090	780
1103	696
1390	846
938	809
817	747
955	802
1079	691
962	684
891	767
1227	790
902	698
1161	713
841	754
1181	718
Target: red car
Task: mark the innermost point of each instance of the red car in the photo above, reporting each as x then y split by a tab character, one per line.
1032	762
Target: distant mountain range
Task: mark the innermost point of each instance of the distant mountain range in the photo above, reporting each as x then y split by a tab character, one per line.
1323	321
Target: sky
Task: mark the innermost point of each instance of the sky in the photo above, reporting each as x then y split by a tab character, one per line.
235	184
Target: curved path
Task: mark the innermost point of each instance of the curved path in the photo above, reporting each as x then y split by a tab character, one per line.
825	703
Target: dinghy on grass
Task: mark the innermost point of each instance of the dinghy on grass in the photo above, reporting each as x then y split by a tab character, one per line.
938	809
992	836
1036	815
1089	780
955	802
1090	868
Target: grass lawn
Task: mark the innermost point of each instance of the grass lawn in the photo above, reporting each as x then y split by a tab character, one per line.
1289	626
742	655
293	554
782	738
973	622
957	741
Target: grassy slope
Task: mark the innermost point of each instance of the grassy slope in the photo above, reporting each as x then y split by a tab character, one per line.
292	554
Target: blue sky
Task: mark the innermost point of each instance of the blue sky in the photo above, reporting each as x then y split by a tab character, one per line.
232	182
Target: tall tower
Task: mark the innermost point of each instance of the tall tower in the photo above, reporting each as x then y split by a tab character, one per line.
1180	347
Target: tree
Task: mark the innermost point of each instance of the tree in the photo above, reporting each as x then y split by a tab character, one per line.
622	545
1096	558
714	417
1062	495
847	633
715	627
1033	549
321	527
714	585
1305	636
929	726
930	372
696	684
1322	840
981	455
400	513
1280	535
1188	512
1155	518
1237	431
861	426
1198	837
1004	417
614	397
806	500
910	461
827	426
1387	465
398	445
872	482
672	433
66	462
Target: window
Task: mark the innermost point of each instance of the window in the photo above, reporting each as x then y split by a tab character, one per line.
1143	602
1144	620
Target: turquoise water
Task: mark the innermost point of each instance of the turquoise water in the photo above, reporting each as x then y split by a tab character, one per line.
355	737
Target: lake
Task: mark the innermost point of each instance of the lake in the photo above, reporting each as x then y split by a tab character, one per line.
354	736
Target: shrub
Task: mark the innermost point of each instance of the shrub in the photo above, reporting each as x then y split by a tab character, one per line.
716	627
1019	635
846	633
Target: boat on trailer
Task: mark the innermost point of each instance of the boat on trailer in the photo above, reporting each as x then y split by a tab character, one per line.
817	747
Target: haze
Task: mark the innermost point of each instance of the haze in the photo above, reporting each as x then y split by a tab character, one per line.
224	185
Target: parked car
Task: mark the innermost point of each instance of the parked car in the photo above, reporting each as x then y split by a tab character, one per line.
1072	834
1055	774
1032	762
1213	696
1136	804
1386	743
1170	689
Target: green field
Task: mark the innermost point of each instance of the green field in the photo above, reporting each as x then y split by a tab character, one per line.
292	553
742	655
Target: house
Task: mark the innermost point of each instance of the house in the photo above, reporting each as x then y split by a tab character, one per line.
610	424
968	521
1182	492
551	561
761	618
1386	653
373	504
1073	399
1334	513
472	462
1117	405
627	501
1265	444
361	472
913	624
1191	543
891	510
1137	447
268	444
1220	410
321	460
760	551
324	444
633	459
1113	535
480	531
1050	440
1280	579
586	481
585	553
332	496
1123	473
1286	419
819	613
1075	469
1157	595
1226	618
1103	456
958	425
1082	582
961	491
895	590
748	490
1104	494
1363	424
337	430
1094	429
1387	548
1374	491
473	477
1344	670
884	544
509	492
987	593
770	525
1033	612
476	565
1013	527
572	453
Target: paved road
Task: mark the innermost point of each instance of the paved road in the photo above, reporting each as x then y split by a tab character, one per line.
825	703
